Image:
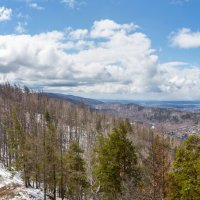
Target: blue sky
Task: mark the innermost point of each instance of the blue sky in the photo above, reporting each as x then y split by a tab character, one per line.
127	49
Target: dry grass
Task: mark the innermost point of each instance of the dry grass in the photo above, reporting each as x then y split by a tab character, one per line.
9	191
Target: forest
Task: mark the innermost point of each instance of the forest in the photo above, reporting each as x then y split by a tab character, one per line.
74	152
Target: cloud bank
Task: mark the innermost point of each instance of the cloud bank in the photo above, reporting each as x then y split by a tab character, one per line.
109	58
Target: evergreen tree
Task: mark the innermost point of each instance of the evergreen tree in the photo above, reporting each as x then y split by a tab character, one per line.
76	179
51	154
21	149
116	164
184	180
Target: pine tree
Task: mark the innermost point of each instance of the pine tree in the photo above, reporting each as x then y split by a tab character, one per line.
76	179
51	154
21	149
116	164
184	179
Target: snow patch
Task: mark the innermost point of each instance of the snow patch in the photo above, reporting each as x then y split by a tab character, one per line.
12	187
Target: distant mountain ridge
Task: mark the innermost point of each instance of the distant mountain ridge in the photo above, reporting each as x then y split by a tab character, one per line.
186	106
74	99
172	116
144	112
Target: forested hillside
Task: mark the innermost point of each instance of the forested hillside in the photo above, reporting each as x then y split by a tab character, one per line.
171	119
72	152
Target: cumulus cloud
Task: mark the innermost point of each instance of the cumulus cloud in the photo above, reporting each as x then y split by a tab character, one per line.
79	34
179	80
107	28
109	58
186	39
5	14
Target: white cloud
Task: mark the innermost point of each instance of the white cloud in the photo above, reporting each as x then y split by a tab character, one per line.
79	34
186	39
179	80
70	3
121	62
21	27
36	6
5	14
107	28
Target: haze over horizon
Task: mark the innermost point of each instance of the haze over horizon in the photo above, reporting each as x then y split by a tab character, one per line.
123	49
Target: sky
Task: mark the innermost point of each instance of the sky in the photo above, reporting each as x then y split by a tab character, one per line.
103	49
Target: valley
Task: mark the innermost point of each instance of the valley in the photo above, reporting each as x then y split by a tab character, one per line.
176	118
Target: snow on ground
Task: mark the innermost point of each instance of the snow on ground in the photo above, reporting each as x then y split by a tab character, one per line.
7	177
12	187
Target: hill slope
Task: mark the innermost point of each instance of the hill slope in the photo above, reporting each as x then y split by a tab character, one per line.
171	119
74	99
